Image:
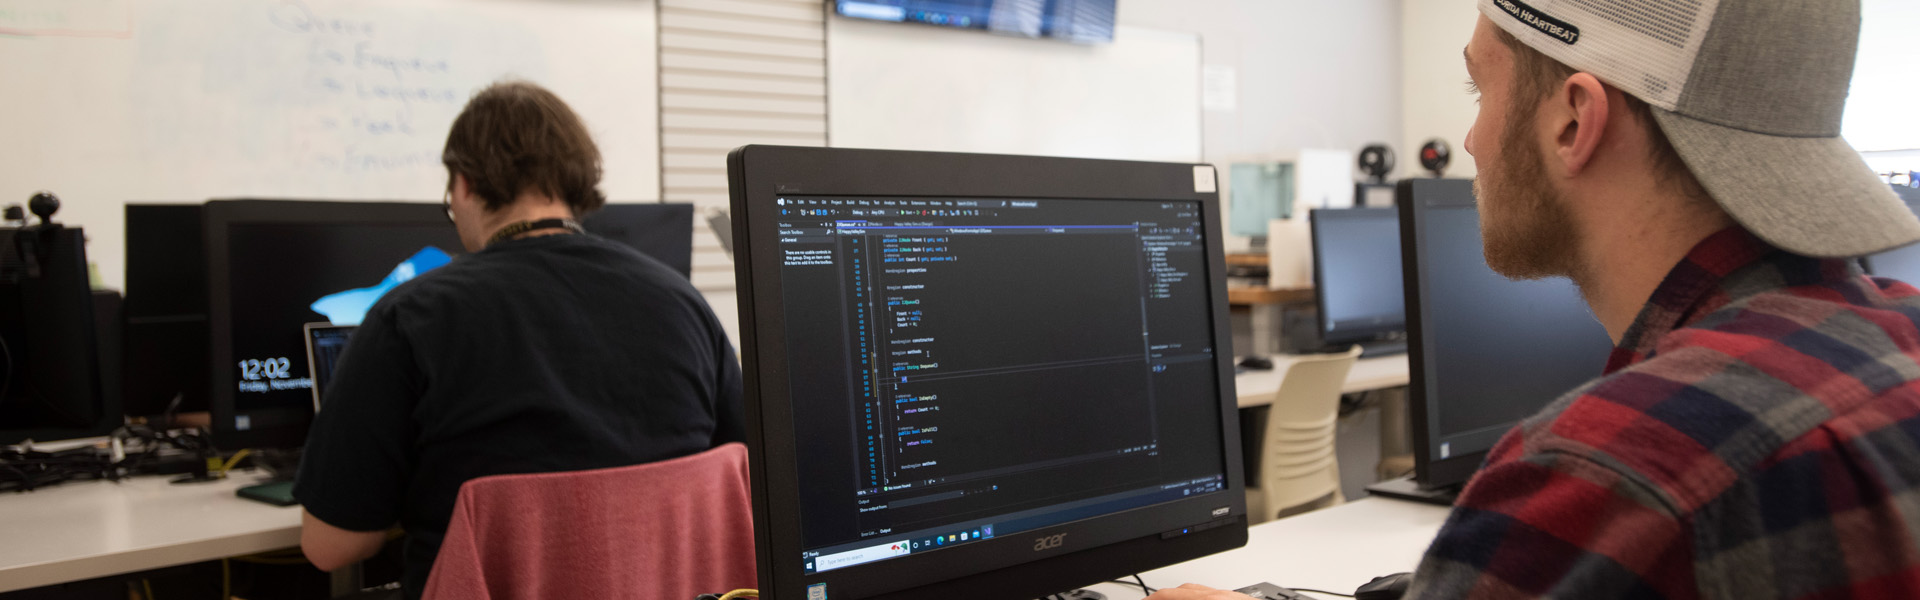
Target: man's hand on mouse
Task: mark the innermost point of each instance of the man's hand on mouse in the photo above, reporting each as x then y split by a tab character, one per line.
1194	591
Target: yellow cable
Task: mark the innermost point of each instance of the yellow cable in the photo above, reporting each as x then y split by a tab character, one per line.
736	594
226	581
234	460
148	586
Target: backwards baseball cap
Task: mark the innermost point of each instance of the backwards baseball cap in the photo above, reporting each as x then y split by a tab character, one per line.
1750	93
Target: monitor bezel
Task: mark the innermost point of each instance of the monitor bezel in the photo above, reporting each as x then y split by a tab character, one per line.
1414	196
1094	549
1910	196
1322	315
282	428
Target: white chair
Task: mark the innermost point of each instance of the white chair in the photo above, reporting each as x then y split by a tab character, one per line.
1297	470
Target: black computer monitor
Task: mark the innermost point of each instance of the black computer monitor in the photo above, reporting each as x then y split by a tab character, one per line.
268	263
50	382
1900	263
663	231
1485	351
1356	276
975	376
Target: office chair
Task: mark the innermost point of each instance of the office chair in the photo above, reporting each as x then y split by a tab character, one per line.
676	528
1297	469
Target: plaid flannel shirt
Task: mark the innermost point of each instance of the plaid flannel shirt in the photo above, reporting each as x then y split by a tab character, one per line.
1756	435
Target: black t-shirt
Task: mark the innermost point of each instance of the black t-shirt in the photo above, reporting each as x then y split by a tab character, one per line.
553	353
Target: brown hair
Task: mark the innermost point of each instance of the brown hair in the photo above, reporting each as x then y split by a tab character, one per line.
514	137
1535	76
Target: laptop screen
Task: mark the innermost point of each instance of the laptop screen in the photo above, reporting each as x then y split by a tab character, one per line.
325	343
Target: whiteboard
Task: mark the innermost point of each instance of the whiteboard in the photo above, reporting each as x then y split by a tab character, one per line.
110	101
906	87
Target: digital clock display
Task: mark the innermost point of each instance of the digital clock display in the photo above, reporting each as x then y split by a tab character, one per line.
261	376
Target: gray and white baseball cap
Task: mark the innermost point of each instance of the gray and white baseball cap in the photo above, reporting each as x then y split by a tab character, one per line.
1749	92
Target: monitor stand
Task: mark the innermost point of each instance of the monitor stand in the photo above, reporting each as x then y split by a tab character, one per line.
1404	488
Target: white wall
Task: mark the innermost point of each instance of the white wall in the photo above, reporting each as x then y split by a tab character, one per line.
1434	98
910	87
1883	106
1309	74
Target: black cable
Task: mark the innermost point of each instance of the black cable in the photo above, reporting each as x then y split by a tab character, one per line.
1137	582
1322	592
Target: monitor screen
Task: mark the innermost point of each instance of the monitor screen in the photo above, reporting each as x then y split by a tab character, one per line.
973	369
274	266
1258	193
325	343
661	230
1485	351
1356	271
1085	21
1902	263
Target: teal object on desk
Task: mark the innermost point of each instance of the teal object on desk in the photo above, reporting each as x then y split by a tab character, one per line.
278	493
1259	192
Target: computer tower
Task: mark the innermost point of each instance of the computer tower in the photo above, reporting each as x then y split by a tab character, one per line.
165	337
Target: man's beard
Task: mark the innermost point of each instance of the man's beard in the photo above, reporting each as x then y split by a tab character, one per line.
1525	228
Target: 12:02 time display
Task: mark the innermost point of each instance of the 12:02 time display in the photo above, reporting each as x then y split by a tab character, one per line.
271	368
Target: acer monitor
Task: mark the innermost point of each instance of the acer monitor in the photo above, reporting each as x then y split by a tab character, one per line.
1485	351
980	376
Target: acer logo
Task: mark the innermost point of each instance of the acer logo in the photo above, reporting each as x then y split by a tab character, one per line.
1049	542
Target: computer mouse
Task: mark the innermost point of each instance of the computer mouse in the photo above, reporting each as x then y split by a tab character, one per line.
1390	587
1260	363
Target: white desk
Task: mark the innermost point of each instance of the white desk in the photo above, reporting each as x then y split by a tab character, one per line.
1257	388
1336	549
78	531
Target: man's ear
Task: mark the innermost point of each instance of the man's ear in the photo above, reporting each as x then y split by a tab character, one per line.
1585	103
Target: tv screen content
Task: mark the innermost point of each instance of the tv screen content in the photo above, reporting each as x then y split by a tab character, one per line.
1081	21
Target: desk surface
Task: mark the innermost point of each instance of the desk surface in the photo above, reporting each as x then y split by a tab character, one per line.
1335	549
81	531
77	531
1257	388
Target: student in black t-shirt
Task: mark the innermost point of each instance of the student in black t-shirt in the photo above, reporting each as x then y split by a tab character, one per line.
543	349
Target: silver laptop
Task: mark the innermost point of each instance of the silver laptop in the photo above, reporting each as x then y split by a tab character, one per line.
325	343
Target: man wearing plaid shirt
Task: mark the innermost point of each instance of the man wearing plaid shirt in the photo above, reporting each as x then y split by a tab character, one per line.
1756	433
